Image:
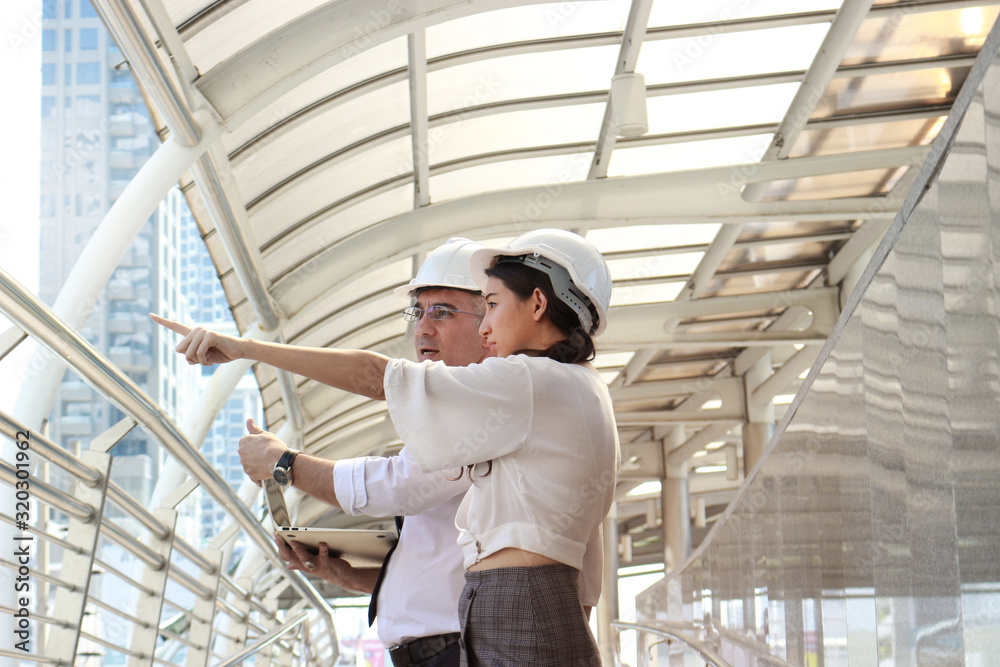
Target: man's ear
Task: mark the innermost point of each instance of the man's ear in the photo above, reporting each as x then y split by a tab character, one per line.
539	304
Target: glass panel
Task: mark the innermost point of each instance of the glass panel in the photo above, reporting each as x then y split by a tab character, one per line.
304	198
682	264
612	359
525	23
365	65
616	239
715	55
871	136
509	131
785	228
687	156
515	77
783	253
673	368
891	92
764	282
250	20
271	161
293	248
511	174
905	35
309	327
635	294
853	184
720	108
670	12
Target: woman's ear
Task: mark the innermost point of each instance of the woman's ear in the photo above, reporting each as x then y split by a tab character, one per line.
539	304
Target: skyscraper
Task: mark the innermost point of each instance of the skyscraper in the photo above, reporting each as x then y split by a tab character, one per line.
96	135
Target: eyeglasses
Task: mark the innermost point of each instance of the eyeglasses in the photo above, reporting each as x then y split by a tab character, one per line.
414	313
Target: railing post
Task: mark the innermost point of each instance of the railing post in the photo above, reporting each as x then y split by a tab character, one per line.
240	628
77	567
203	613
150	607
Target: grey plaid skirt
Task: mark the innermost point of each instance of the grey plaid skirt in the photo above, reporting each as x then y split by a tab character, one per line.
525	616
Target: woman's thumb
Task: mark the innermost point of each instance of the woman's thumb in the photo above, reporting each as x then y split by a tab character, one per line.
253	428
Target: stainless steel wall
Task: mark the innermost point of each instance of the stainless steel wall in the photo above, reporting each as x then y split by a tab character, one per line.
870	533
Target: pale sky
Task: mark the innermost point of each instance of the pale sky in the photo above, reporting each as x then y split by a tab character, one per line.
20	61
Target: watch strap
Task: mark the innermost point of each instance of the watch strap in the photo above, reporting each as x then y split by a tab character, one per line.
287	459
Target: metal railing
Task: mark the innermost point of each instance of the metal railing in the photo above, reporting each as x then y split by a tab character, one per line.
671	634
72	538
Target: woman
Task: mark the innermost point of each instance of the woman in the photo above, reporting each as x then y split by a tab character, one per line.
535	426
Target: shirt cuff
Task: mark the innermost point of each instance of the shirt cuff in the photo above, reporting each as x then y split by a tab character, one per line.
349	484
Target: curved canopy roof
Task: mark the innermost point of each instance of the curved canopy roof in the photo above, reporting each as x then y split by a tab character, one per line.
359	134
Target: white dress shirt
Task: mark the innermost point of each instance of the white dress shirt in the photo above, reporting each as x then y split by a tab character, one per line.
425	576
549	430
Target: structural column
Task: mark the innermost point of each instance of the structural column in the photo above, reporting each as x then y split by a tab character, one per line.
759	427
607	606
675	508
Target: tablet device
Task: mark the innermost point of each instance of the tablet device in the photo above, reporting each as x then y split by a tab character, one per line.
359	547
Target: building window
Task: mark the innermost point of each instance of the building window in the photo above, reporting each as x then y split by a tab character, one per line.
48	74
88	73
69	9
48	106
48	40
47	207
87	10
68	74
67	40
88	39
88	106
49	8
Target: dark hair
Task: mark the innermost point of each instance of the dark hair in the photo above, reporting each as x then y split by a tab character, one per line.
522	280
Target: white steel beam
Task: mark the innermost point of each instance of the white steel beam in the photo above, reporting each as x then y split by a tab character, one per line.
814	84
645	322
660	417
725	187
10	339
258	94
416	44
209	164
98	260
316	110
628	55
645	391
161	87
695	198
248	81
863	240
785	376
698	441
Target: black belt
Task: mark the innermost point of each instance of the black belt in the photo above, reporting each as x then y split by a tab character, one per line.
419	650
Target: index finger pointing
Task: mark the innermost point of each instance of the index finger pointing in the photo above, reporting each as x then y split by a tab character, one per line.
176	327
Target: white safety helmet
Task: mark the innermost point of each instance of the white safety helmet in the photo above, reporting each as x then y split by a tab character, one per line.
446	266
587	271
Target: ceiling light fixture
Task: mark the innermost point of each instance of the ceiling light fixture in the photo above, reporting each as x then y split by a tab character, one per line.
628	104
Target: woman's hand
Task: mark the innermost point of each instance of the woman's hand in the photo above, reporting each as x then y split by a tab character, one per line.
201	346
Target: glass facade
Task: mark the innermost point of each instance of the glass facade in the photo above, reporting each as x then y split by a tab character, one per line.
870	533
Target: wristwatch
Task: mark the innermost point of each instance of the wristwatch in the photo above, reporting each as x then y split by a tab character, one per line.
282	473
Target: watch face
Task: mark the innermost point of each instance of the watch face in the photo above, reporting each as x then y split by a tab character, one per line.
280	476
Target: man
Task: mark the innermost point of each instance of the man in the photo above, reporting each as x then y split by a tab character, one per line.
417	603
